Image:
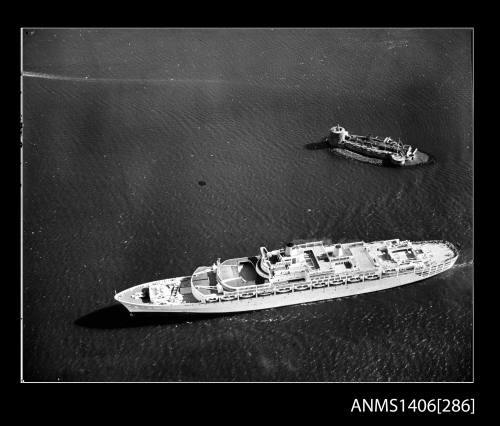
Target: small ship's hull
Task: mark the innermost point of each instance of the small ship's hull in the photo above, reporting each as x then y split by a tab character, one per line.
387	150
278	300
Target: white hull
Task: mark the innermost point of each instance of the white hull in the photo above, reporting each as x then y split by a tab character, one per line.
278	300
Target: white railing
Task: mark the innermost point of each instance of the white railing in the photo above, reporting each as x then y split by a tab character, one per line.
432	269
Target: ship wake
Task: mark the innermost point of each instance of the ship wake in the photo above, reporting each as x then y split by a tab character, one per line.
464	264
118	80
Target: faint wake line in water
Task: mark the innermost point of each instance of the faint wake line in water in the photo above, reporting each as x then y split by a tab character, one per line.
271	84
464	264
120	80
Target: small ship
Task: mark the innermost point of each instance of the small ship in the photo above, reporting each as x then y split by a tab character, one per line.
294	274
385	149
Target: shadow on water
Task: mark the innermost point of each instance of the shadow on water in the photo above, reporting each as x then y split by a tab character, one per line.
313	146
117	316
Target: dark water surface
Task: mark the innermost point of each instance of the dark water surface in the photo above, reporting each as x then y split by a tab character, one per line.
150	152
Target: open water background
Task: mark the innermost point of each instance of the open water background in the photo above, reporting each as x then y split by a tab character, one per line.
121	125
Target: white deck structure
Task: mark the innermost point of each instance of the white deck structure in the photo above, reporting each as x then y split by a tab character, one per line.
298	273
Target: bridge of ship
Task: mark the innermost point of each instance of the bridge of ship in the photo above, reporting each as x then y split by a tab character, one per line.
230	275
239	272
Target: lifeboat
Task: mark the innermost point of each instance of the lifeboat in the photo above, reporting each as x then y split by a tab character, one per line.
247	295
265	293
301	287
319	285
355	279
284	290
337	282
389	272
371	277
227	297
211	299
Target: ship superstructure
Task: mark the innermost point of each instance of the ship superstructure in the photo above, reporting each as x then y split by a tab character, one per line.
395	152
296	273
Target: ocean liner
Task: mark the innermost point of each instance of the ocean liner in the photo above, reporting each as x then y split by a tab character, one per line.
385	149
294	274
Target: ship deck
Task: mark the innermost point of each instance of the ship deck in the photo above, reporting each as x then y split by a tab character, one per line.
205	280
159	292
363	260
238	272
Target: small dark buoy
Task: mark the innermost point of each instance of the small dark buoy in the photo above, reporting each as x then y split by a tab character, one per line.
202	183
